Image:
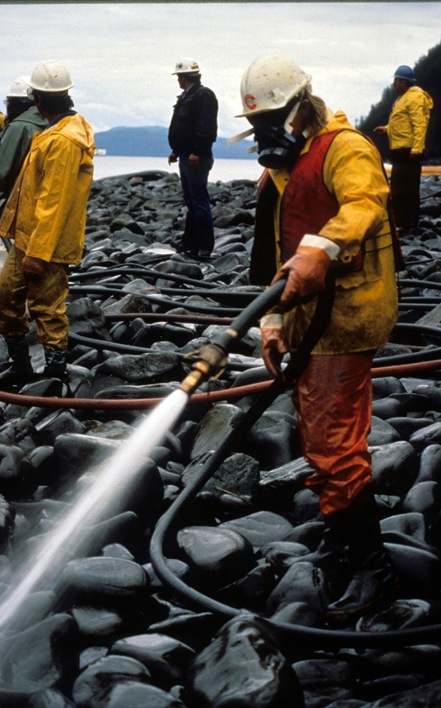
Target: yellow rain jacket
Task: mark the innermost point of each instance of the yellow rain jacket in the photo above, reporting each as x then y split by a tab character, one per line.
409	119
366	303
46	211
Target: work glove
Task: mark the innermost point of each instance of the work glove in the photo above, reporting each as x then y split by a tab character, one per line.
274	344
32	267
305	272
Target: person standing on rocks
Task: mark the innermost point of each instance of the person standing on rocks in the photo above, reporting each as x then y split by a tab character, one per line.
322	210
192	132
22	120
45	215
406	130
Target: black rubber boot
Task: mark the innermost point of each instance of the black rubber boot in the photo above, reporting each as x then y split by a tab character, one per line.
332	554
374	580
20	371
55	363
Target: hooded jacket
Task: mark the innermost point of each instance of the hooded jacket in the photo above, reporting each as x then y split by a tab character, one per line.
409	119
366	306
14	145
46	211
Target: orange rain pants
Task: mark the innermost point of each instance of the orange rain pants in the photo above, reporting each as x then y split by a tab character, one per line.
333	398
42	299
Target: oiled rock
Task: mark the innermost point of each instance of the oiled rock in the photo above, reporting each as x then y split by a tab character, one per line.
142	368
395	467
260	528
214	428
252	589
95	683
273	440
221	553
406	426
317	673
424	497
427	695
243	666
300	613
97	622
410	523
277	486
429	435
419	570
382	433
385	408
107	577
38	657
238	475
49	698
165	658
87	318
400	614
430	464
302	582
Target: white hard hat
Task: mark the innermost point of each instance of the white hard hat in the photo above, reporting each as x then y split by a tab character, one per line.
269	83
186	66
50	77
19	88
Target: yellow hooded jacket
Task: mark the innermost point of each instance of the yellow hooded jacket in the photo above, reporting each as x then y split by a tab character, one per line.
46	211
409	119
366	304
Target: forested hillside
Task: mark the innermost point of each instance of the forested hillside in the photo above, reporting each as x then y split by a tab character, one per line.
428	76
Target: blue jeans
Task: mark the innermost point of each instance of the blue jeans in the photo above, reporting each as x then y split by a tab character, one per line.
198	233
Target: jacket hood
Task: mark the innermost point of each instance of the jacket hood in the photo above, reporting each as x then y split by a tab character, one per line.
77	129
33	116
418	89
337	121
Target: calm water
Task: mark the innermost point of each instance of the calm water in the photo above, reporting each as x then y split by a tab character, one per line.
223	170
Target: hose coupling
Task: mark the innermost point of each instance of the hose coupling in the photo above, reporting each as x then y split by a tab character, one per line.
209	362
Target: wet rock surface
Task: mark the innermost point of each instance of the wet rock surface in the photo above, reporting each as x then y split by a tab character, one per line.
237	616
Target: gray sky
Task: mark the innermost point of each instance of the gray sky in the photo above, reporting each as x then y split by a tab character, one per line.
121	56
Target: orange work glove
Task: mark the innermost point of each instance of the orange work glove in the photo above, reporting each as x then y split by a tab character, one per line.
274	344
33	267
305	273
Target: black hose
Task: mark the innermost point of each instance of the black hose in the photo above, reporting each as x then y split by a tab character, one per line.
144	272
310	637
155	299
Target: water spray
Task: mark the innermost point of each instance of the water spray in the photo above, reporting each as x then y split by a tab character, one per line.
104	495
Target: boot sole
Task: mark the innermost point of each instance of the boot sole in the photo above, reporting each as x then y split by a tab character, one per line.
346	615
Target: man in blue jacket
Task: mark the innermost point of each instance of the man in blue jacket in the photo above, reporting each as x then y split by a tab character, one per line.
192	132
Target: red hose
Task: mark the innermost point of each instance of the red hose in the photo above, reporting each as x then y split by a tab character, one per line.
210	397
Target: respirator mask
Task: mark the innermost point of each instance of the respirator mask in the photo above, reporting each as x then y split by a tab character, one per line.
276	146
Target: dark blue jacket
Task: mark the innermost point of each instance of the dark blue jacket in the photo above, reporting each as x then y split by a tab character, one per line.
193	127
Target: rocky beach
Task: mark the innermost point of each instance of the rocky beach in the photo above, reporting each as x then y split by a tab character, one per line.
157	550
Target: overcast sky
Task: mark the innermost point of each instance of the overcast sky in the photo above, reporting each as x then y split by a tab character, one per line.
121	56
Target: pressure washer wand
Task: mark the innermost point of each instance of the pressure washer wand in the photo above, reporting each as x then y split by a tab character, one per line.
211	359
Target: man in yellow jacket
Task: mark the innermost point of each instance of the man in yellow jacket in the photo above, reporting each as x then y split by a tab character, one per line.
45	216
322	208
406	130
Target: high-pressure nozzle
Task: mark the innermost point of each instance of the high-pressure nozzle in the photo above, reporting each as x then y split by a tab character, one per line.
211	359
209	362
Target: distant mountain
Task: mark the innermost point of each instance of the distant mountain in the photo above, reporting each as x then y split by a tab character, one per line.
151	141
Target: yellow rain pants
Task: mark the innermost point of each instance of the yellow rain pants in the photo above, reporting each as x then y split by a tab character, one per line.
42	300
